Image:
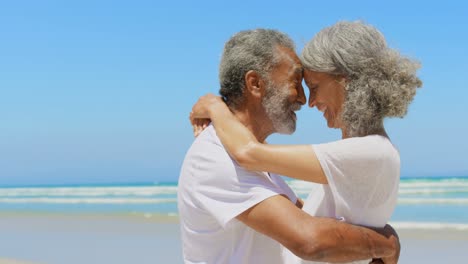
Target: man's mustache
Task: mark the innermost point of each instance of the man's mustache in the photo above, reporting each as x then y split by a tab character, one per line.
295	107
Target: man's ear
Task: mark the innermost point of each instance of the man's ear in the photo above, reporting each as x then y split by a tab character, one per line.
254	84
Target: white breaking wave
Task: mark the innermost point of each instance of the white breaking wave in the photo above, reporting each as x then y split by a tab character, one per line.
89	191
432	190
442	183
86	201
454	183
301	187
456	201
304	190
429	226
48	200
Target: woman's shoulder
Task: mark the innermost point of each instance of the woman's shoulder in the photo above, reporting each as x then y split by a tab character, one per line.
367	148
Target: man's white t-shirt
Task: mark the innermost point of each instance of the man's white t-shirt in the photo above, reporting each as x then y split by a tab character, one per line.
213	190
363	175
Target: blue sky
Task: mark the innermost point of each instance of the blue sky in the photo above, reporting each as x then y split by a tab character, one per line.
99	91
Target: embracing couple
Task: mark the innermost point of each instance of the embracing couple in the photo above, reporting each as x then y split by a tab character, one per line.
234	208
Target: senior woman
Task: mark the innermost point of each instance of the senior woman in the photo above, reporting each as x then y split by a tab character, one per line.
356	81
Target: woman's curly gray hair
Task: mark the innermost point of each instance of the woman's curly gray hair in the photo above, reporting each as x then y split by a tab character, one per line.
380	82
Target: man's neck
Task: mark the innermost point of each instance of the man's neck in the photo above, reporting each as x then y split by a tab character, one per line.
256	125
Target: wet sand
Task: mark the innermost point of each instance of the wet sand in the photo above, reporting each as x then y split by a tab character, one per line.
58	238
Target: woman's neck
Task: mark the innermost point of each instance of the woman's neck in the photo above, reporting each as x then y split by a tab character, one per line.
380	131
383	133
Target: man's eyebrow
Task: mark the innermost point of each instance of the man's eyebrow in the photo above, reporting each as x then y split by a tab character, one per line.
299	70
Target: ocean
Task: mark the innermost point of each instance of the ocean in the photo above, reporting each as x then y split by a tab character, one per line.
427	203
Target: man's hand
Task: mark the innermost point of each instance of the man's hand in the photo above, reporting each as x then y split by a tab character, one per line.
389	232
319	238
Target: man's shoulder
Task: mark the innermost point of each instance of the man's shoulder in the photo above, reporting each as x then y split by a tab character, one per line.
208	135
208	160
208	146
207	156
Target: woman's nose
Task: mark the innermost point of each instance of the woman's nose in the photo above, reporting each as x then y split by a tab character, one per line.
312	101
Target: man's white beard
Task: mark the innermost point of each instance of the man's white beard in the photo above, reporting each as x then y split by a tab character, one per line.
278	108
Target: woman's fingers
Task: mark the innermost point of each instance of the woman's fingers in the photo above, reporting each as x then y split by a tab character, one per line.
199	124
199	116
202	107
198	127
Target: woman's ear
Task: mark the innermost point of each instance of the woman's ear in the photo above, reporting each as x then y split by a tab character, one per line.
342	80
254	84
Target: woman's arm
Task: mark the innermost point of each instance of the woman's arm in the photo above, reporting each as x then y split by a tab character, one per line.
295	161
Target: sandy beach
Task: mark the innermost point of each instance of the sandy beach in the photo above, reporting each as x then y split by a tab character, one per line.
125	238
12	261
57	238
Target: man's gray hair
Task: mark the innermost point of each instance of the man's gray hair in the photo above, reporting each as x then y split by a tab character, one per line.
380	82
248	50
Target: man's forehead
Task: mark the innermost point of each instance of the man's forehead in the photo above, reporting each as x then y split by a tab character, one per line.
290	60
292	67
296	67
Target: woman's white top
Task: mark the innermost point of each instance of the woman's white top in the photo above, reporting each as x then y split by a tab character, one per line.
363	174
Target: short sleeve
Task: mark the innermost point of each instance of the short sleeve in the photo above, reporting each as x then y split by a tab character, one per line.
225	190
357	171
